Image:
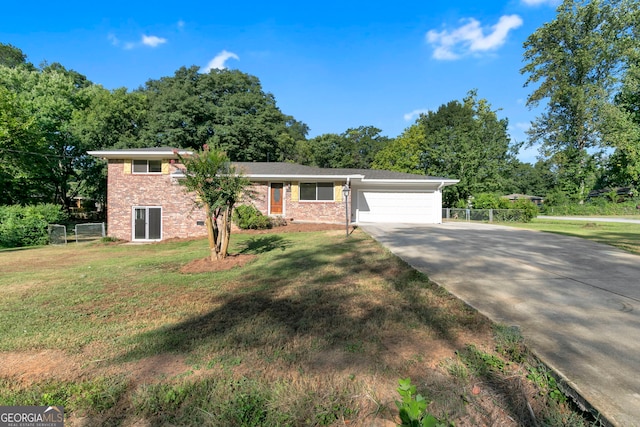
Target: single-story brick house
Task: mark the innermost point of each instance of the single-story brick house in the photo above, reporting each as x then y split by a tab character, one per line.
145	201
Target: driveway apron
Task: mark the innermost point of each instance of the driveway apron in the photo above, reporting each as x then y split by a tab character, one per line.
576	302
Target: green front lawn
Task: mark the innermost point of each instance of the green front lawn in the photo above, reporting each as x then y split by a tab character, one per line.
315	330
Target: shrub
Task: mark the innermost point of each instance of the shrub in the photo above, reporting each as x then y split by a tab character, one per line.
27	225
491	201
530	209
247	217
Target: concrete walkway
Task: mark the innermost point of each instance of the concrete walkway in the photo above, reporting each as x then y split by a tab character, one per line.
576	302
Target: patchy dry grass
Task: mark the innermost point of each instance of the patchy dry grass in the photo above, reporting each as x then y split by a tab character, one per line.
315	330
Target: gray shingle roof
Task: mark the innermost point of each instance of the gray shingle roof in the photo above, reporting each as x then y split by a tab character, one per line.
277	169
293	169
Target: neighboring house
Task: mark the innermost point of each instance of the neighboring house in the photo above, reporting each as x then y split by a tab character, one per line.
145	201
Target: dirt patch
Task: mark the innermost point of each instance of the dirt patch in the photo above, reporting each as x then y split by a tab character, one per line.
33	366
30	367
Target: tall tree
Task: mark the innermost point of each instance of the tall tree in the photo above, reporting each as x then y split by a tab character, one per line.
623	166
404	153
578	61
464	140
324	150
354	148
113	119
218	186
50	97
534	180
18	138
361	146
11	57
224	108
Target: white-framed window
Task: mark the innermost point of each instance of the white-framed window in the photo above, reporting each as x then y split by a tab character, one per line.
147	223
147	166
316	191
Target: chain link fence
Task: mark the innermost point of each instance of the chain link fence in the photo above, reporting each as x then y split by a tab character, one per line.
57	234
83	233
89	231
484	215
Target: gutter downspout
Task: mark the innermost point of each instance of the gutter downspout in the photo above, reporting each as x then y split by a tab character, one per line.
440	187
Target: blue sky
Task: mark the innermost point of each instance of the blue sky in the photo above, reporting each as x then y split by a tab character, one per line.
332	65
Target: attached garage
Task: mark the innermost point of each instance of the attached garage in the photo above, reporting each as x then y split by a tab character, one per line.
411	207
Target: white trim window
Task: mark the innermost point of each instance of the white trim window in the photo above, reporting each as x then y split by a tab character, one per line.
147	223
316	191
146	166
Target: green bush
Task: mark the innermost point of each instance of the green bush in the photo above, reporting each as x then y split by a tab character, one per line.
528	207
27	225
523	210
491	201
247	217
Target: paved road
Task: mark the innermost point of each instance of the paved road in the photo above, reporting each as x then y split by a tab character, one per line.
577	302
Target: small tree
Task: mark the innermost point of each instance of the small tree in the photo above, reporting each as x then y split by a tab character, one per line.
218	185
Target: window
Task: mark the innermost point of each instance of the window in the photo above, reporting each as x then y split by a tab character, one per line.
147	223
147	166
316	191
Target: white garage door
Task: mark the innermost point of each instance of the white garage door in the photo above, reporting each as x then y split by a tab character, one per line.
397	206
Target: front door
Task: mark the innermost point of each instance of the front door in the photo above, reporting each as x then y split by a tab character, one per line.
277	190
147	223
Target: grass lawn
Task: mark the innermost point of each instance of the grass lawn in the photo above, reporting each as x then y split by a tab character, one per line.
316	330
625	236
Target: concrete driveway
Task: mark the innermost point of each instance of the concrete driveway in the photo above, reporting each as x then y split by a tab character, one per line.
577	302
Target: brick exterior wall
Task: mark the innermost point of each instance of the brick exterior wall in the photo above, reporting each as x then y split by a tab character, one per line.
179	215
124	191
326	212
303	211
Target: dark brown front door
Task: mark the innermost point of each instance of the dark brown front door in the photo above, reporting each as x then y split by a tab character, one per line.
276	199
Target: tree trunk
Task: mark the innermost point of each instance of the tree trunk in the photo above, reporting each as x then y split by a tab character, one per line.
211	235
225	233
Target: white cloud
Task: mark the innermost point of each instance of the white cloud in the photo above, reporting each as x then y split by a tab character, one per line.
152	41
219	61
471	38
180	24
415	113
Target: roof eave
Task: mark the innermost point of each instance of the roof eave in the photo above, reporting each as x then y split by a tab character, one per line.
294	177
444	182
146	155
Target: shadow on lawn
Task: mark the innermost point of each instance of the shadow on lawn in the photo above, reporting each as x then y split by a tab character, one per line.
308	308
262	244
311	296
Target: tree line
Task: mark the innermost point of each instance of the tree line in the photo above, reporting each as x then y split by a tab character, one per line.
583	69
